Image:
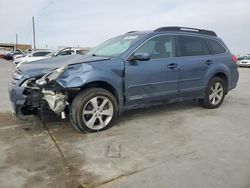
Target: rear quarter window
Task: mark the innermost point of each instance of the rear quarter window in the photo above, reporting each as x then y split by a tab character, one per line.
192	46
216	47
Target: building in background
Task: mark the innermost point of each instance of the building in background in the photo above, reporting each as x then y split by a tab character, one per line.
11	47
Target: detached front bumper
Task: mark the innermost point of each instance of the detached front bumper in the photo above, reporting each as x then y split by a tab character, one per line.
17	100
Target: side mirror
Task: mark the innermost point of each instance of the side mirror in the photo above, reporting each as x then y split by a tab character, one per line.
141	56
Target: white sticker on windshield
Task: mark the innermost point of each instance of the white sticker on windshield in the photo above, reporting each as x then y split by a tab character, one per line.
130	37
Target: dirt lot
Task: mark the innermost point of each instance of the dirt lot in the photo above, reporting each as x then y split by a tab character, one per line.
178	145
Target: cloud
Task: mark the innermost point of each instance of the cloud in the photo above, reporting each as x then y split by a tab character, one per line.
89	22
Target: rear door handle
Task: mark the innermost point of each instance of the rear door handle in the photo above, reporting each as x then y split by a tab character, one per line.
209	62
172	66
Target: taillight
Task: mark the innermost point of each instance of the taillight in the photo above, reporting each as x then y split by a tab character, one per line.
234	58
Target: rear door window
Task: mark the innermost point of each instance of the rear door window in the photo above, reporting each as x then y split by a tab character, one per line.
192	46
215	46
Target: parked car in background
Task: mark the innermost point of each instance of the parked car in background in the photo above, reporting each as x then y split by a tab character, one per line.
11	55
18	56
71	51
45	54
244	61
33	56
136	69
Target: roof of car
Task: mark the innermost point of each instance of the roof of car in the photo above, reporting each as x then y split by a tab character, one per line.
174	29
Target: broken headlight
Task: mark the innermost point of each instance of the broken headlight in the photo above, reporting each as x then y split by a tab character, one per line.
58	72
51	76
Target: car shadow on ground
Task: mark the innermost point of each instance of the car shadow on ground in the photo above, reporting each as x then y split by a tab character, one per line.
54	121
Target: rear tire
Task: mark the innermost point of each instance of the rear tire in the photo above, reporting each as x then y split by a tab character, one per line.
93	110
214	93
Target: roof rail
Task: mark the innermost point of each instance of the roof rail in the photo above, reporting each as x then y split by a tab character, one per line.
187	29
130	32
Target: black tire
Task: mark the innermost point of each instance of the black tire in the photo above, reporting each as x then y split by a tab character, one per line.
72	119
80	102
206	103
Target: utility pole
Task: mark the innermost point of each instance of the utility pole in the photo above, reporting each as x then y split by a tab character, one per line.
16	41
34	35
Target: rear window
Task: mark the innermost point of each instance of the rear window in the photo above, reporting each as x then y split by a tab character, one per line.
216	47
192	46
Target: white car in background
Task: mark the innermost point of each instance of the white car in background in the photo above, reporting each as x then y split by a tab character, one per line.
244	61
45	54
33	56
71	51
18	56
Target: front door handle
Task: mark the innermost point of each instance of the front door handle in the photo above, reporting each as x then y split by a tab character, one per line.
172	66
209	62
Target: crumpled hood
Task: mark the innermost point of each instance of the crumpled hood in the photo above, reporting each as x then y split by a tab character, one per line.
41	67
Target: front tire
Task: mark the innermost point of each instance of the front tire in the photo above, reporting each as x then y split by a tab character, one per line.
93	110
214	93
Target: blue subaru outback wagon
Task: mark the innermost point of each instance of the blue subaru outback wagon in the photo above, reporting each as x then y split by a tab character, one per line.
133	70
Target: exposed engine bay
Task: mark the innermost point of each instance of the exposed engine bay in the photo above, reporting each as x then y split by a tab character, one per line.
46	89
56	100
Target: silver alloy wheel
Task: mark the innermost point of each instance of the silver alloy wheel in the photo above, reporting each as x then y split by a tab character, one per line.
216	93
98	112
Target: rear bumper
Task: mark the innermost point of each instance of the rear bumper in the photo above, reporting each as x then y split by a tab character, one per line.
232	86
234	79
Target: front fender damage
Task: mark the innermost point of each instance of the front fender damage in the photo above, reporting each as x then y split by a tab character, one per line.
53	90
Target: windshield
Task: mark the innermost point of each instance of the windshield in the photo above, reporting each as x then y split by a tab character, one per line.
115	46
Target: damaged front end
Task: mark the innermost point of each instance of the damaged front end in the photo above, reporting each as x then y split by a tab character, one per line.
46	89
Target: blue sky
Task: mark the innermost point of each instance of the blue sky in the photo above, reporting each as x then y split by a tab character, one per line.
89	22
